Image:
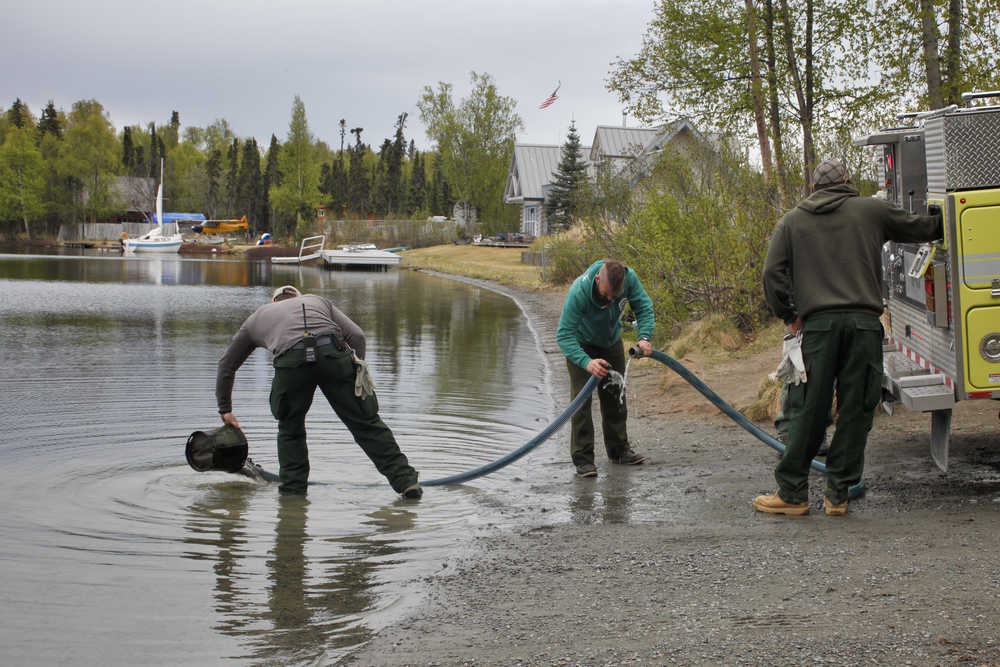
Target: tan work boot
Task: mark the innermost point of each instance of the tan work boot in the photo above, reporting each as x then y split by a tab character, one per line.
834	510
773	504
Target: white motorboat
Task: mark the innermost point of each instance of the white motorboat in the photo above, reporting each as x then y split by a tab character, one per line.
360	256
155	240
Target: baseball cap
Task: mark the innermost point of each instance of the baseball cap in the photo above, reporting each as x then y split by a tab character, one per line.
285	289
830	172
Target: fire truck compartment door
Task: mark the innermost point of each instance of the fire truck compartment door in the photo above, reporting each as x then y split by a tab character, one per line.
983	337
980	246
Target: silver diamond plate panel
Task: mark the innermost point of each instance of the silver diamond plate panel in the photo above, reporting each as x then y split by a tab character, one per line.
963	150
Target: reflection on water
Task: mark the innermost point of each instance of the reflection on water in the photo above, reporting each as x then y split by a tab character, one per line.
606	500
314	593
113	550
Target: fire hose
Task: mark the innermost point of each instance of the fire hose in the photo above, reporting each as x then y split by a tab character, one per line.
734	414
589	388
856	490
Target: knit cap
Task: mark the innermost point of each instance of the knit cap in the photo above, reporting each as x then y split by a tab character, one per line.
830	172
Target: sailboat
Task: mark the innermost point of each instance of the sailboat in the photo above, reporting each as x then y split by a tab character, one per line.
155	240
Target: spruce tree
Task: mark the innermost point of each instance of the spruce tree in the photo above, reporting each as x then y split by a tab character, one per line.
417	182
272	178
232	183
324	179
18	114
395	188
357	178
49	122
127	150
338	186
383	186
175	129
564	199
154	152
249	184
213	167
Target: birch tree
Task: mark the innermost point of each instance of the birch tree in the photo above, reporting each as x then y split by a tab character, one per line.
931	51
295	198
476	141
22	179
91	157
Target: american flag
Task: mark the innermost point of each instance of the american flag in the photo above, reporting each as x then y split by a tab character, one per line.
551	98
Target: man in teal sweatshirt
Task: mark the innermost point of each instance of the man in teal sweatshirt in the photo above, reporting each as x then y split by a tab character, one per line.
590	335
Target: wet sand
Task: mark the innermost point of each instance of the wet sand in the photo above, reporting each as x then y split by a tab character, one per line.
668	563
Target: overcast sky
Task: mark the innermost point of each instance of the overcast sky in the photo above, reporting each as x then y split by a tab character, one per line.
363	60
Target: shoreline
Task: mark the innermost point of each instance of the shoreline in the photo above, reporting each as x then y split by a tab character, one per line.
668	563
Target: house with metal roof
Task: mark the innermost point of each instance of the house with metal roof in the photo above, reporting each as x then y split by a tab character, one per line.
612	143
532	167
636	149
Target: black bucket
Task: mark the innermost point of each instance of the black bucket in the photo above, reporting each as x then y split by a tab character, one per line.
224	448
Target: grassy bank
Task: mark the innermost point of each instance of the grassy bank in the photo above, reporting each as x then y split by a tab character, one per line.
502	265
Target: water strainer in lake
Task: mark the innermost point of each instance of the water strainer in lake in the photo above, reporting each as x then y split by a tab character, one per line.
224	448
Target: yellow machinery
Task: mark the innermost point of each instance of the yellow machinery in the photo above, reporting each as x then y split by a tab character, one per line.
943	300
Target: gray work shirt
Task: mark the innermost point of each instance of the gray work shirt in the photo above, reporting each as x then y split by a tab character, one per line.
278	326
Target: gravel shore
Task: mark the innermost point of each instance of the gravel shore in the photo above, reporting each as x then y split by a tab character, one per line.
668	563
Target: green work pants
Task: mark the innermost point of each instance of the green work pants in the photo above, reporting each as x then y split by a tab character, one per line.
842	347
292	390
614	415
781	419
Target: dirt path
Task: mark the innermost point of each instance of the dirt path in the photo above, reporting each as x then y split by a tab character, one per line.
667	563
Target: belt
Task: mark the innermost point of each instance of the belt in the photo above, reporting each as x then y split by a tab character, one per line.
325	339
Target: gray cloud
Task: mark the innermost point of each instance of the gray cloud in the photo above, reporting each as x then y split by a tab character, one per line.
366	61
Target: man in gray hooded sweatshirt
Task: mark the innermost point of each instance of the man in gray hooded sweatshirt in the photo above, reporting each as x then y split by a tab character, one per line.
313	345
823	277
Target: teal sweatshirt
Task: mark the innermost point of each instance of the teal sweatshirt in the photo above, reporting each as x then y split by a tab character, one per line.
585	320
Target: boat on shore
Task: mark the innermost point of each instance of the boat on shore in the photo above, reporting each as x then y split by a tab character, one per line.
155	240
360	256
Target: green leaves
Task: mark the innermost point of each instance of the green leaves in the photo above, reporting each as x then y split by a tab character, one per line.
476	141
22	181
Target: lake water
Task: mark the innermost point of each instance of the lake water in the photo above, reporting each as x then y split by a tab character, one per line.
115	552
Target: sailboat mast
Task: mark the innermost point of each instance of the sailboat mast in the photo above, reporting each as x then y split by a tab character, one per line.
159	198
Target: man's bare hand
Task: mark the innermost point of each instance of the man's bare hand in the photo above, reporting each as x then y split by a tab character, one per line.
645	347
230	418
796	326
598	368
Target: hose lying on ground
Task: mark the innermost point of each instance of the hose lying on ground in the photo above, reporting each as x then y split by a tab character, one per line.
732	413
665	359
570	410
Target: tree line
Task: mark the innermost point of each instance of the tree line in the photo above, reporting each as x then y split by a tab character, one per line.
70	167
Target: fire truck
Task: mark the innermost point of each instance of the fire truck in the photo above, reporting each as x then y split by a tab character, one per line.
942	318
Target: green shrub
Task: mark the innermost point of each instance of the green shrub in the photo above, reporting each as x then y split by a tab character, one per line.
696	231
